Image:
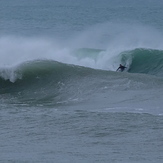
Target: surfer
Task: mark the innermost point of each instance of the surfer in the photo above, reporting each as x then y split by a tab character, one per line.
121	68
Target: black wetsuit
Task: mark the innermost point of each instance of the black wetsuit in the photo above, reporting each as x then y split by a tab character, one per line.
121	68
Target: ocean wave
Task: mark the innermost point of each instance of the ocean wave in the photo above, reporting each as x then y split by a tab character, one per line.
52	82
146	61
42	75
139	60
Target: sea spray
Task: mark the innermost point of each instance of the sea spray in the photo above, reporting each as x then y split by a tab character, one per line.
12	74
104	45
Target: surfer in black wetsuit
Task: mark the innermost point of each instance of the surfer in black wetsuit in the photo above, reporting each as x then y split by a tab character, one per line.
121	68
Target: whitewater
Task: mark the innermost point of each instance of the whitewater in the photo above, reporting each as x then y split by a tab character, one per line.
61	98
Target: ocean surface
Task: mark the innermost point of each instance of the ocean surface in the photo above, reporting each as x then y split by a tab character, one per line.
61	99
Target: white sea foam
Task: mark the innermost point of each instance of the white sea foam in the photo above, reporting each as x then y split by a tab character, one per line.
10	74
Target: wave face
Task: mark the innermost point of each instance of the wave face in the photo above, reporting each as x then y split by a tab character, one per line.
147	61
47	82
139	60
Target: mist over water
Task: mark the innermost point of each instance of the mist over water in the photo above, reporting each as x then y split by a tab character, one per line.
112	38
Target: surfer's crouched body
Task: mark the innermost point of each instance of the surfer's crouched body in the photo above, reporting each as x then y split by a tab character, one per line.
121	68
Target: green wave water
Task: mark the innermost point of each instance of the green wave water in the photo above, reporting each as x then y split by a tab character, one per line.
48	81
146	61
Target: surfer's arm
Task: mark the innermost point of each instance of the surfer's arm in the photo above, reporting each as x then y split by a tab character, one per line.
118	68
